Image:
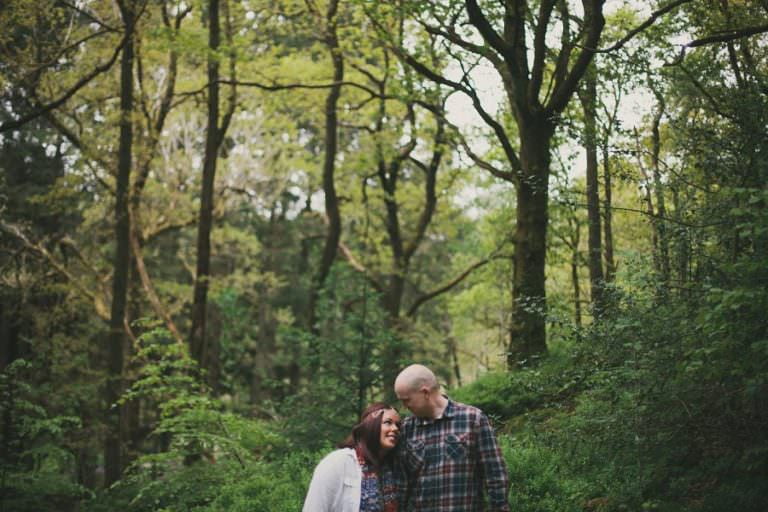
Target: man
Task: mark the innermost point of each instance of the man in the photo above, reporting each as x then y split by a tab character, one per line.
448	451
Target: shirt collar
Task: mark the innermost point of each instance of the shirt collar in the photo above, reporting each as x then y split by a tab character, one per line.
448	412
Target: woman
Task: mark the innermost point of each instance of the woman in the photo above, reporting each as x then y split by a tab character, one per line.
358	477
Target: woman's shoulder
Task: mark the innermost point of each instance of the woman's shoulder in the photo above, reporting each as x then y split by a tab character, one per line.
342	453
339	456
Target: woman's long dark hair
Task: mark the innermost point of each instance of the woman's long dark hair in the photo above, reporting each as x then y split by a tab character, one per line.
365	437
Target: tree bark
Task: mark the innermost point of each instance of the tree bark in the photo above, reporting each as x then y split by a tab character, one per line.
9	334
536	120
610	264
263	352
401	247
201	344
661	209
113	464
588	97
575	260
648	197
332	213
454	356
527	332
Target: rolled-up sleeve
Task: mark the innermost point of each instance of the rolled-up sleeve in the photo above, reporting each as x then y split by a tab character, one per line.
492	465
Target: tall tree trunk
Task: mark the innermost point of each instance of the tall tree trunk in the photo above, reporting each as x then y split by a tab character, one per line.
574	244
113	463
9	344
588	97
199	342
332	213
393	295
155	123
683	240
401	247
610	265
453	349
263	351
521	58
661	223
527	333
130	416
648	198
9	334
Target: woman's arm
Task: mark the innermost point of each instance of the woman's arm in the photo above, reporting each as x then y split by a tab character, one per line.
326	484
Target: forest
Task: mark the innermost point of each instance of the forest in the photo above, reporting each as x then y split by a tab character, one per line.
226	225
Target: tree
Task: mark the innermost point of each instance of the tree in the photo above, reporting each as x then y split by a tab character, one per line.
588	98
329	23
113	464
201	346
536	94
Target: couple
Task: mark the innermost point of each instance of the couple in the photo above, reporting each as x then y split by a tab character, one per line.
444	458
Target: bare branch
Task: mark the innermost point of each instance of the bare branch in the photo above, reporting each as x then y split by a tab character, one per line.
484	164
563	90
453	37
451	284
711	99
88	15
482	24
149	289
653	216
430	196
498	129
78	143
357	265
509	176
729	35
540	47
647	23
18	123
286	87
99	303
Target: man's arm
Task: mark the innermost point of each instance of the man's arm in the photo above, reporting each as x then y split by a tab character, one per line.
493	469
401	474
405	464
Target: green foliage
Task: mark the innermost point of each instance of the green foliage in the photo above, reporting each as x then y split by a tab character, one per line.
346	361
539	476
669	414
226	486
266	487
498	394
199	446
657	405
34	460
195	424
538	390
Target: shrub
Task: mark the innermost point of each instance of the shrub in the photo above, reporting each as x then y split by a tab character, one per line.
35	465
539	477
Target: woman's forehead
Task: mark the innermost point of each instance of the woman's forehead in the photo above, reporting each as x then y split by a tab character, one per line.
390	414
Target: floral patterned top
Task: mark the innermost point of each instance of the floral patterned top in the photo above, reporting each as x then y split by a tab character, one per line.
378	489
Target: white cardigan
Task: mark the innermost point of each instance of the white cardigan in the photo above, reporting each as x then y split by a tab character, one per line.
335	485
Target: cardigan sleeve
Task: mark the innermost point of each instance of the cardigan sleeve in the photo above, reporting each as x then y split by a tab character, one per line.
327	483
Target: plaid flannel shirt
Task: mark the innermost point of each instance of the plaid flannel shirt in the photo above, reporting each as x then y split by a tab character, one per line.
451	463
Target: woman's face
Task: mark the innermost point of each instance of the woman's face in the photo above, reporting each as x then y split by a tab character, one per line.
390	429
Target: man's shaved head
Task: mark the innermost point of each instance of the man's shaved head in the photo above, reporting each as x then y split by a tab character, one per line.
417	388
415	377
